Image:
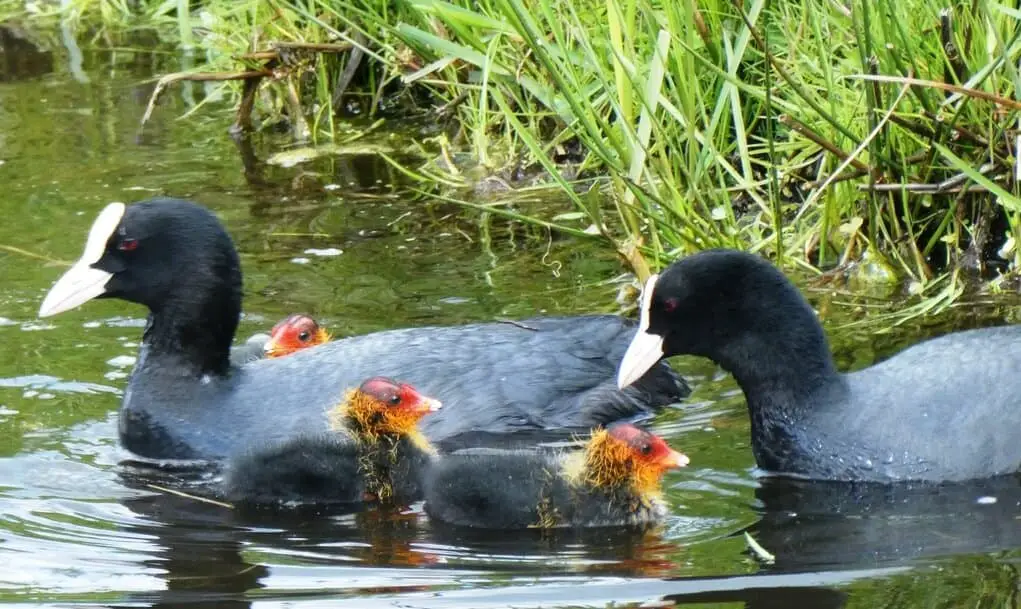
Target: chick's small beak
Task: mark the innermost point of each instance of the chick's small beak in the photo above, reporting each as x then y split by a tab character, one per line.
675	459
270	347
430	405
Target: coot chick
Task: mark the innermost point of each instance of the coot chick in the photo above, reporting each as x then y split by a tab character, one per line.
944	409
374	452
614	481
294	333
186	400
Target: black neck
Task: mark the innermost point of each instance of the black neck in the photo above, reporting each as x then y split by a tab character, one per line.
785	369
795	362
196	329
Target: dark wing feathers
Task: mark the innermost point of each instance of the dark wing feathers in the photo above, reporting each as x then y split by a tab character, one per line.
496	377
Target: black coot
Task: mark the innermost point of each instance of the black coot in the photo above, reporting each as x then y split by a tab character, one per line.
185	398
945	409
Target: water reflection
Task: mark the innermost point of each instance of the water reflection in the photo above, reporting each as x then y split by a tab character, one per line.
775	596
815	525
814	530
21	56
209	552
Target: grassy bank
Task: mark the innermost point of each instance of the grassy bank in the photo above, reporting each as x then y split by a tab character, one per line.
874	136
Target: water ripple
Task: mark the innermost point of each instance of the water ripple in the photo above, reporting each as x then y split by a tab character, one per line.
52	383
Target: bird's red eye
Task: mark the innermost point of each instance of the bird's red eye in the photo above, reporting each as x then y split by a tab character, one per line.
670	304
127	245
303	336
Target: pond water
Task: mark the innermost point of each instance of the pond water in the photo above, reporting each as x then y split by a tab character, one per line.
78	527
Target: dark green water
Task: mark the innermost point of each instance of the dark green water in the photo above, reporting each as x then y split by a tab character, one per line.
77	528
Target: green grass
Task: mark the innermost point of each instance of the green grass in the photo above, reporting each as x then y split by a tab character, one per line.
878	137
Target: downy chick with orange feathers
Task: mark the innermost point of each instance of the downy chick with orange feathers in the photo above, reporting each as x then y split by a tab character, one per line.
374	452
614	481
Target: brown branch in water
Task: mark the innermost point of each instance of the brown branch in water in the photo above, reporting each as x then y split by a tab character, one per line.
276	59
243	120
170	79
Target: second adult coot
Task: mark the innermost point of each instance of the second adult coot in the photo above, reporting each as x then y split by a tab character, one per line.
945	409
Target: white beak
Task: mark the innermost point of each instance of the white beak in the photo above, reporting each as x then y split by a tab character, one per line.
645	349
78	285
81	283
643	353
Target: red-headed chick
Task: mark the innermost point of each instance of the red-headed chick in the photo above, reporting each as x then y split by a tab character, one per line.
614	481
373	452
294	333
